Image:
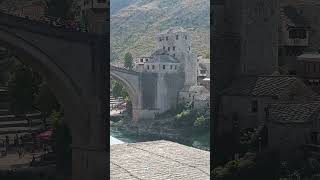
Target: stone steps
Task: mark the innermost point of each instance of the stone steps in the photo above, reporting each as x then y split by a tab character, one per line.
21	123
21	118
4	112
14	130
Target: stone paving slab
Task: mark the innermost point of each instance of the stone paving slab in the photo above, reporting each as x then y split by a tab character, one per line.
158	160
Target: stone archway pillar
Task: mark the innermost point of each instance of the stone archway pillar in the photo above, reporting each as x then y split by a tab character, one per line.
89	163
135	115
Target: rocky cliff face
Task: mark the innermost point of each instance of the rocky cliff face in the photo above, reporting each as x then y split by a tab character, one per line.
134	24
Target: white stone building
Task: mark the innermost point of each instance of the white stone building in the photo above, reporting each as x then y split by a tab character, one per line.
159	62
174	55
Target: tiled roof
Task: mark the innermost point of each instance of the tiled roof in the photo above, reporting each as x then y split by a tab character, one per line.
203	97
294	112
272	86
163	59
309	56
194	89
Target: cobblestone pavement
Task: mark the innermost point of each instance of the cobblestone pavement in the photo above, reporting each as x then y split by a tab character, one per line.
158	160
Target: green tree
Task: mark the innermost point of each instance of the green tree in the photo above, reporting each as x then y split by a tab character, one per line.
128	60
200	122
117	89
21	90
46	101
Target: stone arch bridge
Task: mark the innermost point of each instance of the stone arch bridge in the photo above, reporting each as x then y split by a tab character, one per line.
150	93
74	66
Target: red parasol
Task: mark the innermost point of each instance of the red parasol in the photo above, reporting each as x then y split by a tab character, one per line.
45	135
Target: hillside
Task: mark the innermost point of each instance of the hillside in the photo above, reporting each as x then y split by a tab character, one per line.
134	23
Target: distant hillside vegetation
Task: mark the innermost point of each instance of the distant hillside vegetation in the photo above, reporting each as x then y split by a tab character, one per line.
134	23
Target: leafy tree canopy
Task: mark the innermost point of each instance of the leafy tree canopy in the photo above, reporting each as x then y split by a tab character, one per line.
128	60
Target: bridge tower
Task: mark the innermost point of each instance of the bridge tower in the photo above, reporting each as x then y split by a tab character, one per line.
177	42
94	14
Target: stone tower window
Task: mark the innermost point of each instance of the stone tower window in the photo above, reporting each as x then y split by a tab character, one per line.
164	48
254	106
170	66
167	38
173	48
152	66
175	67
185	37
148	67
168	48
163	66
177	37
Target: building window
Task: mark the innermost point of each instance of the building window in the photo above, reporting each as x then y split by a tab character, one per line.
202	71
147	60
170	66
173	48
168	48
314	137
314	68
164	48
254	106
167	38
141	60
152	66
185	37
175	66
174	55
163	66
148	67
297	34
102	1
160	39
189	48
177	37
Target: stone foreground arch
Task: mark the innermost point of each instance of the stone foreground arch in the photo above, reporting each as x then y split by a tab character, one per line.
74	65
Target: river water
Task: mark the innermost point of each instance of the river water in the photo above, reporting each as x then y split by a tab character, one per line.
117	137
